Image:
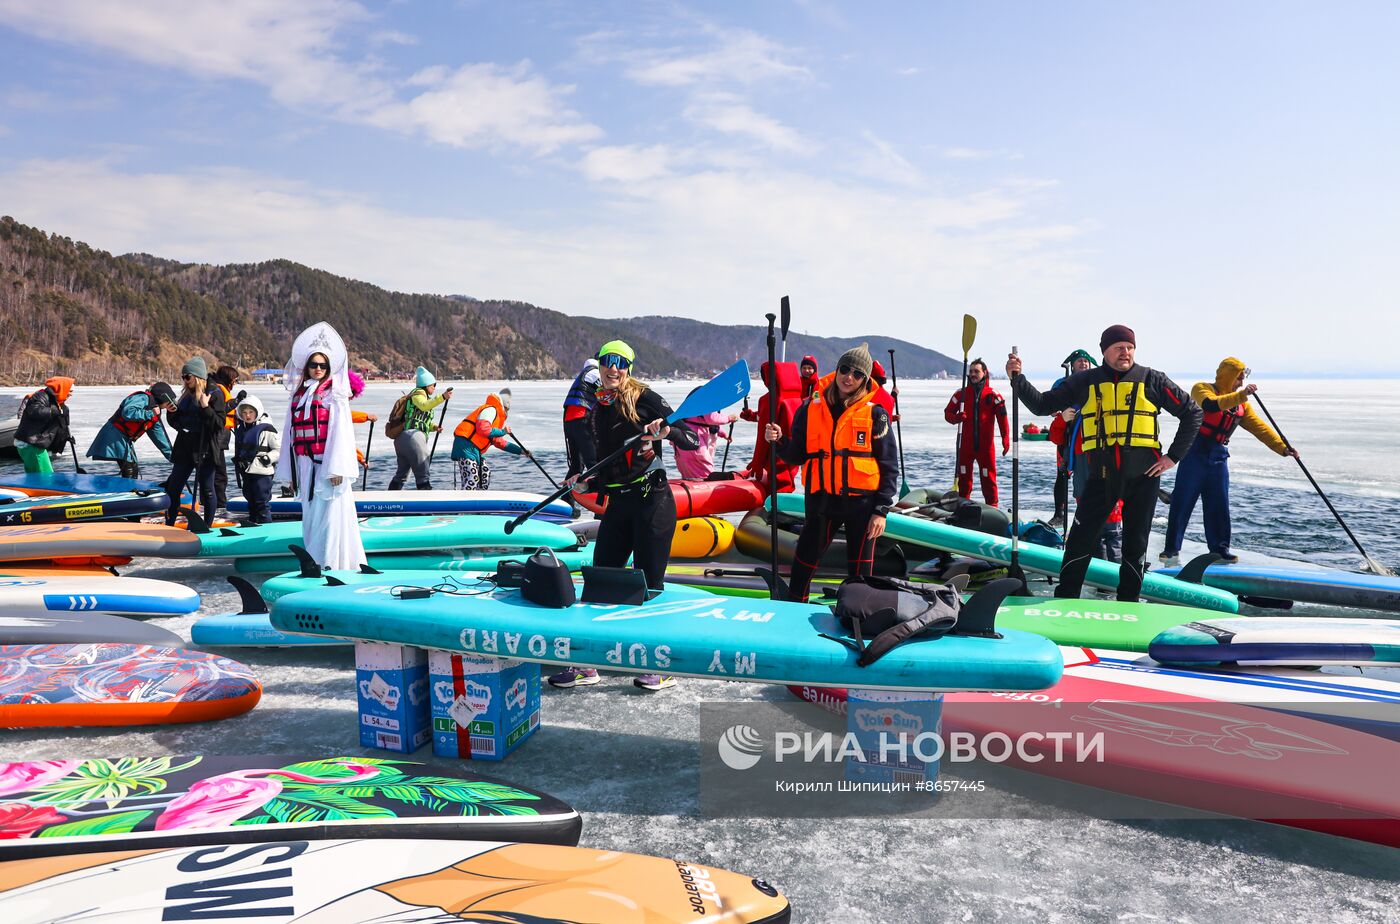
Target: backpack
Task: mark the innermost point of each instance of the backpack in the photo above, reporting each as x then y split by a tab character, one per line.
397	416
890	611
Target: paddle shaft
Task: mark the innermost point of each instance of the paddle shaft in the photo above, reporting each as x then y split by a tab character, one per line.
369	441
898	431
73	445
1014	569
442	418
1320	493
773	459
724	466
531	456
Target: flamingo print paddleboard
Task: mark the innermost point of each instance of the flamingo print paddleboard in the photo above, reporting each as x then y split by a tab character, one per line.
67	806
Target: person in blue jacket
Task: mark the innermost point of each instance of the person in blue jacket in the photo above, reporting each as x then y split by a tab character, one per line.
138	415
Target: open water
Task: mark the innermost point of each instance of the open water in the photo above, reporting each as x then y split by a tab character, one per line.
629	761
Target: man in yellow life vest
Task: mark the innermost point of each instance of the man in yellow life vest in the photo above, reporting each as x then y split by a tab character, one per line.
480	430
1118	406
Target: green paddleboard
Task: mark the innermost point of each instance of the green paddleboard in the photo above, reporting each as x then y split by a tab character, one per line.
394	534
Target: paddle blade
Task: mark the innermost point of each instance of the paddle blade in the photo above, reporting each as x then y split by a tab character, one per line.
969	333
786	311
727	388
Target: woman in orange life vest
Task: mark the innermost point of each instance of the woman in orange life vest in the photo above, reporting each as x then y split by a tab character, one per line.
323	447
1204	472
479	431
849	468
357	388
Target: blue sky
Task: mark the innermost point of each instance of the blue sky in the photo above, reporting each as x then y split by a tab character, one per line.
1221	177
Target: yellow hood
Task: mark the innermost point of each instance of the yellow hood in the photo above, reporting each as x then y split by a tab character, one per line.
1229	370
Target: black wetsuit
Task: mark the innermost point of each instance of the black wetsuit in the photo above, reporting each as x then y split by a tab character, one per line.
640	519
1115	472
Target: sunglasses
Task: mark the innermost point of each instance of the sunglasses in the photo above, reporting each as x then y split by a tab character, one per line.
615	361
318	365
848	370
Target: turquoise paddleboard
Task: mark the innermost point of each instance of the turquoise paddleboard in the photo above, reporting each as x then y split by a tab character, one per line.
1280	640
1033	557
716	638
393	534
458	560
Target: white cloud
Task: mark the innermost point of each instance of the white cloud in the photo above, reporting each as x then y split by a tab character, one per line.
295	51
731	115
909	71
739	57
627	163
882	162
483	104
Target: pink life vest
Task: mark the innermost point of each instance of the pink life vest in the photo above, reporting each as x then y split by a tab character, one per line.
311	424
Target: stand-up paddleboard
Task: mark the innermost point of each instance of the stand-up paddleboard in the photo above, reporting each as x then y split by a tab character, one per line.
50	686
251	627
445	561
40	627
429	503
394	534
129	803
701	498
701	537
130	540
22	570
127	595
381	881
717	638
1287	640
71	508
37	485
1305	585
1232	757
1036	558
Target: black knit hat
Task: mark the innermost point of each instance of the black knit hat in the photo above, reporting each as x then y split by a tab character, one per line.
1118	333
163	393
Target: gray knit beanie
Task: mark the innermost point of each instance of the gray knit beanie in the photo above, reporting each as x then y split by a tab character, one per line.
858	358
196	367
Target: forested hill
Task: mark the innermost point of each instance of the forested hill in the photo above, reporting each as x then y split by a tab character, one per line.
83	312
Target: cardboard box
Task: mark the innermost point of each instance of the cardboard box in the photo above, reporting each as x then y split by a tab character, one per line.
886	725
482	708
391	683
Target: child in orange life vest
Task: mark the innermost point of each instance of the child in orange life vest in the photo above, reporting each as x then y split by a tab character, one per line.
480	430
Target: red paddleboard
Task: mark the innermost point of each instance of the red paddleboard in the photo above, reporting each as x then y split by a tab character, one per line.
1229	758
700	498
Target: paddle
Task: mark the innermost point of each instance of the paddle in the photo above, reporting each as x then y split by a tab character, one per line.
898	432
715	395
369	441
1013	571
442	418
724	466
773	451
969	334
73	444
1371	564
786	309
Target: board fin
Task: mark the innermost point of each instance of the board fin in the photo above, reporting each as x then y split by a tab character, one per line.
978	616
253	601
309	568
367	569
777	587
196	523
334	581
1195	569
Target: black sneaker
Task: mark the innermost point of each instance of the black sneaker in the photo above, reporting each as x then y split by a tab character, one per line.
1226	558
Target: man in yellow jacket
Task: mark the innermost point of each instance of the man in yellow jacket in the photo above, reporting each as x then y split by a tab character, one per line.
1204	472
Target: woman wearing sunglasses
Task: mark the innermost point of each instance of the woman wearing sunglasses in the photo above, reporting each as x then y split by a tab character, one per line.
322	463
849	468
198	420
640	519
